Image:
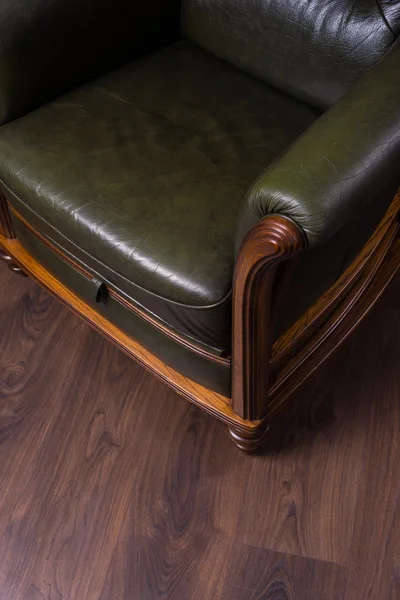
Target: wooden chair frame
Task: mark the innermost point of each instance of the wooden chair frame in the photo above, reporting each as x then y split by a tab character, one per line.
264	375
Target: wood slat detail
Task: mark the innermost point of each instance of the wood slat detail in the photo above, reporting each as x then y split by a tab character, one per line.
314	337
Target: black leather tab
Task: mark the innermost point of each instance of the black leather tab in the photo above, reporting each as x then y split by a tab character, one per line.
100	289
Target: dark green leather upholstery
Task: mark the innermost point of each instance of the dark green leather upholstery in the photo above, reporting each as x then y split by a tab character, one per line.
312	49
49	46
151	176
334	170
141	176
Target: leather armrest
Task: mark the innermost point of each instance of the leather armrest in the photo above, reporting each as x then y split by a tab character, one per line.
50	46
339	165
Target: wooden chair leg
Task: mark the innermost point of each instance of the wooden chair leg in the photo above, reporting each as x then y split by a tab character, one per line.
11	264
249	441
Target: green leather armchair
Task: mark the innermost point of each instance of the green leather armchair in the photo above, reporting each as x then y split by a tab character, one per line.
211	184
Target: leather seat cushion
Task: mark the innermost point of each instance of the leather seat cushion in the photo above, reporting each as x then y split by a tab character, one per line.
140	175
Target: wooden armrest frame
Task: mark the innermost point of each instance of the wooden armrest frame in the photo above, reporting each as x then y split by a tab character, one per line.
269	243
265	376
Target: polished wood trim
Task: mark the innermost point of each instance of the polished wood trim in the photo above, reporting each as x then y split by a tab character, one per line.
217	405
173	335
6	228
271	241
377	245
263	380
249	441
313	338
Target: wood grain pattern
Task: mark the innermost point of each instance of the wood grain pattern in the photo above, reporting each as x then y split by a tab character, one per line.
258	573
378	506
180	536
95	433
101	502
271	241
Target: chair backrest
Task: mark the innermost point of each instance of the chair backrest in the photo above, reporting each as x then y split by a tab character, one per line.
312	49
49	46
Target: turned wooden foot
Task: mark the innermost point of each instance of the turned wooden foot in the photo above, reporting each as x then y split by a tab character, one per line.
11	264
248	441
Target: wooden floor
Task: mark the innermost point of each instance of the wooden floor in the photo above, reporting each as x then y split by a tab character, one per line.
114	488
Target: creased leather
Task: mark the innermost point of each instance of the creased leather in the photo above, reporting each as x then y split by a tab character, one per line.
215	376
141	175
334	170
390	10
49	46
312	49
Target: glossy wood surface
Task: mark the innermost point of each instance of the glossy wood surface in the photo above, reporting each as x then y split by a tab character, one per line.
115	488
271	241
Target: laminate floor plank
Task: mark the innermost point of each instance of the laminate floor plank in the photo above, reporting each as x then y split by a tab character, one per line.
308	497
376	540
167	566
259	574
184	510
115	488
304	500
72	435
